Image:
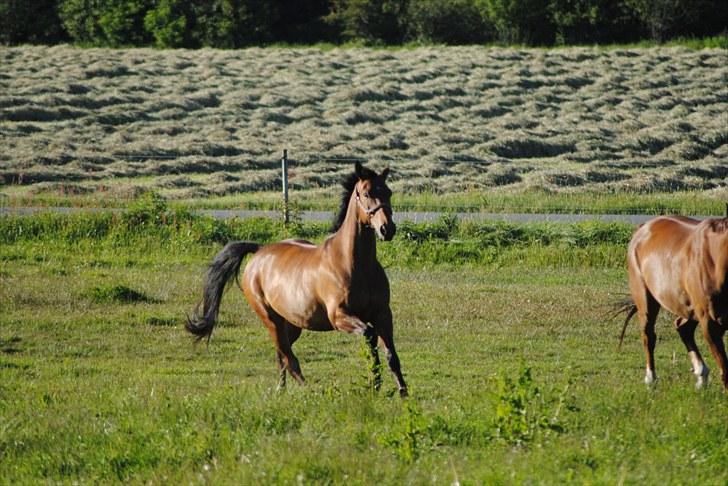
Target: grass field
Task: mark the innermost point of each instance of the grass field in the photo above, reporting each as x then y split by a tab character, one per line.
502	331
497	123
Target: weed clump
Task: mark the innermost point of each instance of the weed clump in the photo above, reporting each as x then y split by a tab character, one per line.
521	411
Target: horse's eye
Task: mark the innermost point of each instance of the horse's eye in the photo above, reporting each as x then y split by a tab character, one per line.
366	195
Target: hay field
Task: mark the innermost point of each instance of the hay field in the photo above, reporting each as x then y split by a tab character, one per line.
207	123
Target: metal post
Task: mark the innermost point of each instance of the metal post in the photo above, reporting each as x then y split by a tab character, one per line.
284	181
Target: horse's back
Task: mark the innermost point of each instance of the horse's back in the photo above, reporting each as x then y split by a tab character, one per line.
664	233
656	259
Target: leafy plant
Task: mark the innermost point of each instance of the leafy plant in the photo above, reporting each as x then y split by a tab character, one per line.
372	378
520	410
407	436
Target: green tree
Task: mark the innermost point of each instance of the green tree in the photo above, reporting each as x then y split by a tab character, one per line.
81	20
372	21
520	21
233	23
448	22
111	23
34	22
592	21
303	21
661	17
168	23
122	22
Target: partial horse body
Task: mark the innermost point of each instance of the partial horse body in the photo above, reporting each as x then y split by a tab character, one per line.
681	264
339	285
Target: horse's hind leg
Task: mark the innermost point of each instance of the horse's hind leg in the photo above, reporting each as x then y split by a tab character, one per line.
647	310
284	335
647	318
686	329
293	333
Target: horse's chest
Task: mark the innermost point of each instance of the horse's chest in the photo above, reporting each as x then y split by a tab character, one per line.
363	299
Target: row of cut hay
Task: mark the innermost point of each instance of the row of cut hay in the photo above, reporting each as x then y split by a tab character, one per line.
560	119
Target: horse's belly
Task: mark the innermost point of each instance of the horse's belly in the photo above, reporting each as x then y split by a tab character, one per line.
303	312
318	321
672	297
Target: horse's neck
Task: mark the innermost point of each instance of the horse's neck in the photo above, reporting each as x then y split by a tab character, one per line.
355	243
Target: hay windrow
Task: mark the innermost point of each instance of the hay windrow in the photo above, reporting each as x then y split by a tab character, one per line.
215	122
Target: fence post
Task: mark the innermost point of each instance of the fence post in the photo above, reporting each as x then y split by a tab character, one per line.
284	182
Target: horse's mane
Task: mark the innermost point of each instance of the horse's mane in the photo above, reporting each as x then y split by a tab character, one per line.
719	225
349	183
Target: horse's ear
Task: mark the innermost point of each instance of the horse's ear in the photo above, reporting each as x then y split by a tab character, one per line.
359	170
385	173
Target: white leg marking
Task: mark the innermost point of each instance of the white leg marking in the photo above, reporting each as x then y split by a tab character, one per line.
700	369
650	377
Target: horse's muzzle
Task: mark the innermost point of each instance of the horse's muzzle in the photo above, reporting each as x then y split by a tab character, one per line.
386	231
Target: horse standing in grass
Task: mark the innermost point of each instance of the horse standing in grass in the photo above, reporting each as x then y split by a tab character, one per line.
681	264
338	285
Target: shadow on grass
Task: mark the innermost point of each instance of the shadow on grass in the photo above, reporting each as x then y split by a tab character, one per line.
119	294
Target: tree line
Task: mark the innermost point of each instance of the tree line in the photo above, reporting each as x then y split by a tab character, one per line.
243	23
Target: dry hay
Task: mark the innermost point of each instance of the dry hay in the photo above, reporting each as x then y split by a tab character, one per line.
211	122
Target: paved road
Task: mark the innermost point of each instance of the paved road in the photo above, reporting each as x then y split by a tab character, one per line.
415	216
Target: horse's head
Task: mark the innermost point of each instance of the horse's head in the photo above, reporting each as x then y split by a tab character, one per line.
373	201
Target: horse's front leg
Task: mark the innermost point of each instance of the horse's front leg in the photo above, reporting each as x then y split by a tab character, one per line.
713	333
344	321
383	327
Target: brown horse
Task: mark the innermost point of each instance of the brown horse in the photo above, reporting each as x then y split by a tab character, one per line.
681	264
338	285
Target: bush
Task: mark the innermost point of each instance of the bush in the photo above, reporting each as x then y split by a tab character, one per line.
448	22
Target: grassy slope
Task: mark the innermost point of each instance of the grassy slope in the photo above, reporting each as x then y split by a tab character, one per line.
102	387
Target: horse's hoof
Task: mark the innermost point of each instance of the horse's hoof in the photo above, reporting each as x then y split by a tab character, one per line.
403	393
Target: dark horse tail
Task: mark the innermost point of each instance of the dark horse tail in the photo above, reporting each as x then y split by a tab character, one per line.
628	307
222	269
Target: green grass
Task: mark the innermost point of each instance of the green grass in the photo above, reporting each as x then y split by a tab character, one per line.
528	201
512	366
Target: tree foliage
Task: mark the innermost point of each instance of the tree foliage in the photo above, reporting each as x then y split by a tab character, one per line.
241	23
